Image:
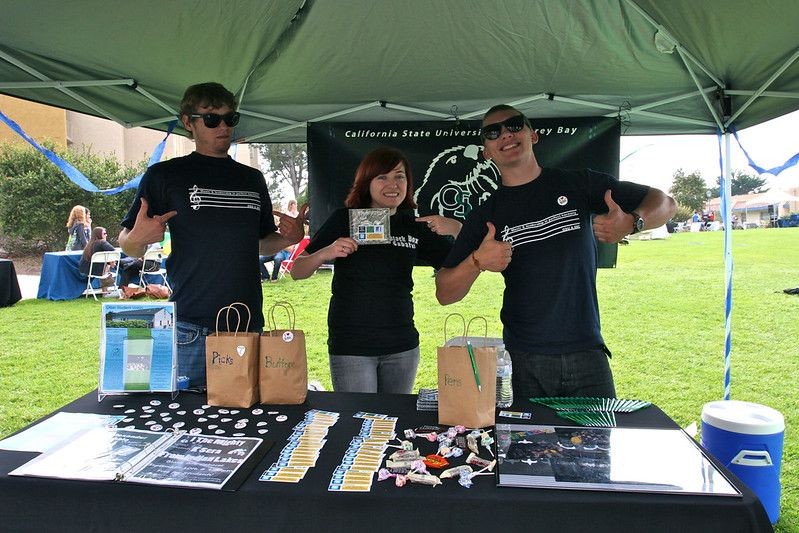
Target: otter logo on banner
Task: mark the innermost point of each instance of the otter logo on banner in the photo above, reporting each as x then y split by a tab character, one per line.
457	180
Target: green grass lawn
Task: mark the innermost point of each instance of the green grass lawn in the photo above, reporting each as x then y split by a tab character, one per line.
662	317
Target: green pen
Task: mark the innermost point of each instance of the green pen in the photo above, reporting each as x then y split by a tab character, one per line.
474	366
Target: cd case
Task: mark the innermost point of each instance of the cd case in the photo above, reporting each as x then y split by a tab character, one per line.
606	459
370	226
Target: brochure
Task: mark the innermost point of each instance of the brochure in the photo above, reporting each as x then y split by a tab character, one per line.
370	226
137	348
614	459
141	456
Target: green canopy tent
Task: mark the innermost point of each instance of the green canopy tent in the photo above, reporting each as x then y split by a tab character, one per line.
660	67
680	66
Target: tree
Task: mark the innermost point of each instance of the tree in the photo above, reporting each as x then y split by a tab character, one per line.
285	164
36	197
689	190
740	183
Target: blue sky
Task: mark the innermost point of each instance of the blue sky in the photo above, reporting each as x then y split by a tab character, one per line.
658	157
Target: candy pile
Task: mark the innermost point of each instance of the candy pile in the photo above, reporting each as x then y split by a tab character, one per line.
407	464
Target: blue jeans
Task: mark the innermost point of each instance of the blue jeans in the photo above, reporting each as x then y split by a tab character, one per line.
392	373
278	258
584	373
191	352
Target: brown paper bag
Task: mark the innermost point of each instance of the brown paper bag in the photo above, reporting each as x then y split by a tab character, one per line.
231	362
459	399
283	362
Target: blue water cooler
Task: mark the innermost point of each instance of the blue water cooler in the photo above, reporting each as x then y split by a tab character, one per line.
747	438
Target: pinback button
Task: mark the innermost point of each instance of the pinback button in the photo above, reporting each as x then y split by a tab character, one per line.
178	425
156	427
212	426
261	423
174	405
225	419
198	411
214	415
149	423
206	406
262	431
238	434
194	431
155	402
119	406
234	411
220	431
202	419
258	411
281	418
181	413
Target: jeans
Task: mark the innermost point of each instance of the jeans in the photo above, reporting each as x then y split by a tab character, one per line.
392	373
191	352
584	373
278	258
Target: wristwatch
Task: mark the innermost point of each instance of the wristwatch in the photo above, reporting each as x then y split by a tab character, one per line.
638	223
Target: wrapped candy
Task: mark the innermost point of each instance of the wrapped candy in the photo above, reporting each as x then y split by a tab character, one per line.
401	480
460	429
455	472
465	479
452	433
432	437
419	466
404	455
383	474
435	461
487	440
479	462
424	479
455	452
471	442
410	434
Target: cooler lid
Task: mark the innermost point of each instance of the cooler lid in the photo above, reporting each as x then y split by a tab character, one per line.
743	417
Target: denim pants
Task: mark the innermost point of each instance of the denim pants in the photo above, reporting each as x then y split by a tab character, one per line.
583	373
191	352
392	373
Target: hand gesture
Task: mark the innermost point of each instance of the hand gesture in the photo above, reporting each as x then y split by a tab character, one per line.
341	247
150	229
492	254
441	225
293	229
614	225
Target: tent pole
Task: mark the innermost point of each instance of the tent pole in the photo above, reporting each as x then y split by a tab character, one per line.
726	195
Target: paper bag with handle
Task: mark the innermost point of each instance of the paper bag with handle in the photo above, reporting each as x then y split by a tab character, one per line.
283	362
466	380
231	361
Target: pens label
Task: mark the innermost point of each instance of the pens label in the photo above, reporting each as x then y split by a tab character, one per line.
450	381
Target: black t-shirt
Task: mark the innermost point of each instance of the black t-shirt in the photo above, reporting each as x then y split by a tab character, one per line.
223	209
97	269
371	308
550	302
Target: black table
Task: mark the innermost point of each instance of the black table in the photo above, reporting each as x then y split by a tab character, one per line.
37	504
9	285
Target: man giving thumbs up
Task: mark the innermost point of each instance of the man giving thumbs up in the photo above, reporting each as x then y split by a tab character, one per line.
536	230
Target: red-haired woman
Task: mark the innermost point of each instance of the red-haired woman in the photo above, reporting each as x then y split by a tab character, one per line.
372	341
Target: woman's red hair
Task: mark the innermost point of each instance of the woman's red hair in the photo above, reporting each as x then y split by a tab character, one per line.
377	162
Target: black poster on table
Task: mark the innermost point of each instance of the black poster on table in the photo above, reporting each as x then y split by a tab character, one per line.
450	175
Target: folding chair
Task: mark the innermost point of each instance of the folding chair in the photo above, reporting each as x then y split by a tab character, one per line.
152	266
109	269
288	264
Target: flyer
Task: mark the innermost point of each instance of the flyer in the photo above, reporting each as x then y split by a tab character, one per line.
137	348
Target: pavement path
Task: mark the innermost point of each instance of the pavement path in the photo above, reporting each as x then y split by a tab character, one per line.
28	285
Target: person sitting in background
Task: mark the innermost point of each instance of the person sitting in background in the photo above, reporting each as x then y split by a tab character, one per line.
78	228
97	243
277	260
283	255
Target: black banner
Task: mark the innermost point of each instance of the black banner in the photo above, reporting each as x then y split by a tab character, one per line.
450	175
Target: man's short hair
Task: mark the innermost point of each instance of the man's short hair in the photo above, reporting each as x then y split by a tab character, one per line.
503	107
209	94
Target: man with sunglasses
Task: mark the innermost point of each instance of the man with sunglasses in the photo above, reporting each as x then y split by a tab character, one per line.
220	218
537	230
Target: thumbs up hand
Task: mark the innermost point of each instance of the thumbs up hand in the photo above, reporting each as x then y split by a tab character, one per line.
614	225
492	254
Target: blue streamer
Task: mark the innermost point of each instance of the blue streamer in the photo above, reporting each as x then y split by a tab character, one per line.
728	269
790	162
75	175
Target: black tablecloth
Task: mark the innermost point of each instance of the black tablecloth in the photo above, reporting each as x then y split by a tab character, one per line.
9	285
37	504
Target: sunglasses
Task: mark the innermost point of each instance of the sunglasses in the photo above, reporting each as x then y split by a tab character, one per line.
513	124
212	120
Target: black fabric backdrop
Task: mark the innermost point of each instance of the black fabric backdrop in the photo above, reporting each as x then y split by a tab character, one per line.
450	174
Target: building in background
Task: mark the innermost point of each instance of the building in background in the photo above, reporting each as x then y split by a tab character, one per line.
100	136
